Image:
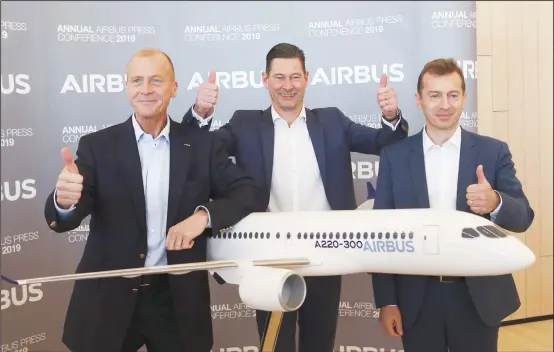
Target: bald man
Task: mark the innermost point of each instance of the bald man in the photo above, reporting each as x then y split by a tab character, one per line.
146	184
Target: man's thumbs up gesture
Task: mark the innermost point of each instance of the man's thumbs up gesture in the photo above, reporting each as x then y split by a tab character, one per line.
387	98
481	198
206	96
70	182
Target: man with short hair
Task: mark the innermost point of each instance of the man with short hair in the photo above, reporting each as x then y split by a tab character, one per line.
300	157
140	180
447	167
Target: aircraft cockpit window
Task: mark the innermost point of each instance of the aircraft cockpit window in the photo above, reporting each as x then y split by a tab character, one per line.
468	232
491	231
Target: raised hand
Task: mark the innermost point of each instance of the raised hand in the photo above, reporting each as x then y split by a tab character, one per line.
481	198
70	182
206	96
387	98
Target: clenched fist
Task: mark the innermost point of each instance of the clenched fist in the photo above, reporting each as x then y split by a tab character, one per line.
70	182
206	97
387	98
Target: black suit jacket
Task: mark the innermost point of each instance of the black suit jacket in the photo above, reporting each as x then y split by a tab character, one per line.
402	185
100	309
249	137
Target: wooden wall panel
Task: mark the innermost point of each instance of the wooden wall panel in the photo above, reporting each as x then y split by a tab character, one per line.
514	103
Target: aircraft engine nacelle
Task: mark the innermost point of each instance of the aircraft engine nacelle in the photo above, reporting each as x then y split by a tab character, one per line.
272	289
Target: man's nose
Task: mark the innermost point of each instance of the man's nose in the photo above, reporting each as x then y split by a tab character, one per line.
445	104
146	88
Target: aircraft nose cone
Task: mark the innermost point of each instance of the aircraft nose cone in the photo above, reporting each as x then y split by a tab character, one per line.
522	256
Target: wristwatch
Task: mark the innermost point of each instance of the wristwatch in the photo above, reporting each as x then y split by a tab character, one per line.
398	115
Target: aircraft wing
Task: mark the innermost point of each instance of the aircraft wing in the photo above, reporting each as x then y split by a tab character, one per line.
175	269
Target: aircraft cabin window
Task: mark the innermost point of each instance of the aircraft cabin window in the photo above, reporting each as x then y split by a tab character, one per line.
387	235
358	236
317	236
262	235
365	235
299	235
468	232
324	235
305	235
411	235
402	235
278	236
311	235
380	235
373	235
288	235
395	235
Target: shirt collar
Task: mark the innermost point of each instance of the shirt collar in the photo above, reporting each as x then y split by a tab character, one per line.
276	116
139	132
455	140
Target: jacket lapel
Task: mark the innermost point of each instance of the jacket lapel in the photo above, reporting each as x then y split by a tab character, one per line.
267	136
467	169
131	171
417	170
180	159
315	129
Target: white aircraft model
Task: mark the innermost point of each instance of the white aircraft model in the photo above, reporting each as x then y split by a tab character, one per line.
268	254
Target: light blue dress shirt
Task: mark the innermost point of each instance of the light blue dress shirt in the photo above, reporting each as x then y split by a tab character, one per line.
154	159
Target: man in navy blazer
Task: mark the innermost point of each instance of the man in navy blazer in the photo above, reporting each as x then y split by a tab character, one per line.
445	166
301	159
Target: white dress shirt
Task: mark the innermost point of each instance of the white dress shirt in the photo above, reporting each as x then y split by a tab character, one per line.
296	180
441	170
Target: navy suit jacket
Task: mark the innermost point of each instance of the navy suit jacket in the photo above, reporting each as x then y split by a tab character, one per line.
401	184
249	137
100	309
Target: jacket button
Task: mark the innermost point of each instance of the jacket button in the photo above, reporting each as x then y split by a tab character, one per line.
142	256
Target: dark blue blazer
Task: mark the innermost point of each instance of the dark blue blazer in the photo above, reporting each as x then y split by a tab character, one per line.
249	137
401	184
